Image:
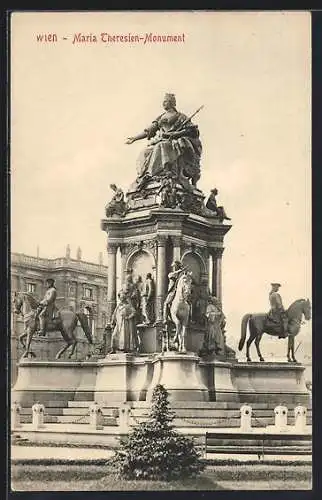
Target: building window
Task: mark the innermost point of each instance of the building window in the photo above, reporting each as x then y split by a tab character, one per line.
88	293
31	287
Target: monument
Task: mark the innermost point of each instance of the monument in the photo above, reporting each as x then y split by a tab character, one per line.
166	325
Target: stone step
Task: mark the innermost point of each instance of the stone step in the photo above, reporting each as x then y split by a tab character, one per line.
76	411
48	411
51	404
214	405
196	412
254	450
56	404
254	442
83	419
79	404
211	405
109	412
219	422
48	419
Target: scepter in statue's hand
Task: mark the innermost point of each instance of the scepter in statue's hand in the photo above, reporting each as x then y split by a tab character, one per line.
178	132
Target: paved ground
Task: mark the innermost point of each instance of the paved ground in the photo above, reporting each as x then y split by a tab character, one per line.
65	453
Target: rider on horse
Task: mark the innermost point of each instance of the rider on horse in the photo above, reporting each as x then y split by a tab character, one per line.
47	309
277	314
177	270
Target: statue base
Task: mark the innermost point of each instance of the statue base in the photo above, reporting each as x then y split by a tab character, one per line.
180	375
124	377
54	381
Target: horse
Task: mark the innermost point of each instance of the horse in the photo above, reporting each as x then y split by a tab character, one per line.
258	325
26	304
180	310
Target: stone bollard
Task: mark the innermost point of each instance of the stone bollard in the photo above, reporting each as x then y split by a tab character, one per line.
96	418
280	417
246	418
38	413
15	416
300	413
124	418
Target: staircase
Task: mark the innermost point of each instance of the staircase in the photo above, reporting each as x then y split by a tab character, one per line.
194	414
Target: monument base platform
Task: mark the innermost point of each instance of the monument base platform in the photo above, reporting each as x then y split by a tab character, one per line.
129	377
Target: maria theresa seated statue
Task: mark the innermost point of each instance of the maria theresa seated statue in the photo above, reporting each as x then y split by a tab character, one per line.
174	148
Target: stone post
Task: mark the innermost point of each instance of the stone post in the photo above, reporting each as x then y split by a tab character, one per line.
300	413
161	276
111	283
38	413
176	240
96	418
124	418
15	416
280	417
245	418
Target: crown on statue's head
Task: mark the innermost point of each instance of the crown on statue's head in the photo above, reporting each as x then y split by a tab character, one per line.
171	98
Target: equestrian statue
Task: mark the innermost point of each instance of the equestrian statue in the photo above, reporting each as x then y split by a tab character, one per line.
177	306
278	322
41	317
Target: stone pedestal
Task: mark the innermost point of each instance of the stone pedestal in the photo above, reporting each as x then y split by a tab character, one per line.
195	338
48	381
131	377
151	338
270	382
217	376
180	375
122	377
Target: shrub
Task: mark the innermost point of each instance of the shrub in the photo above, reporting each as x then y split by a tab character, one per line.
154	449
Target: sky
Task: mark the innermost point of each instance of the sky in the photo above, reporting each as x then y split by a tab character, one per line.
74	104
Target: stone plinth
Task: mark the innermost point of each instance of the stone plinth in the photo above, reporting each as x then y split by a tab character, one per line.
122	377
217	375
271	382
195	338
47	381
130	377
180	375
151	338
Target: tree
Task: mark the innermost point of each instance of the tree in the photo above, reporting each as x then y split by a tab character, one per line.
154	449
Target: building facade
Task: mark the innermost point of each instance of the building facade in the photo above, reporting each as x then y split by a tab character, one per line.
80	284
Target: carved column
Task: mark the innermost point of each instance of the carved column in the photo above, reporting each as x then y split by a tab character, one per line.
216	272
176	240
161	276
111	283
123	261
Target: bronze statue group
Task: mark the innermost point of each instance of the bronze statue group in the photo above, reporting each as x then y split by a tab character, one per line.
171	158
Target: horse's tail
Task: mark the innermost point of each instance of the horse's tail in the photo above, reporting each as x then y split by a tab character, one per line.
244	324
82	318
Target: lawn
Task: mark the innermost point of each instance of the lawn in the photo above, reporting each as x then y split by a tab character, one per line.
100	478
32	478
